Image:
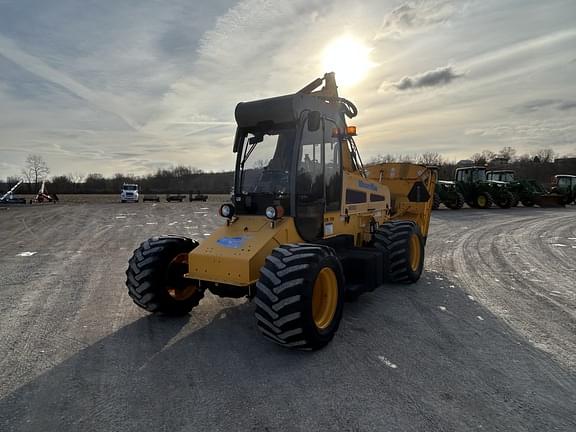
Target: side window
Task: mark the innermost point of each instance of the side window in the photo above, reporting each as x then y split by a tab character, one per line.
332	174
309	181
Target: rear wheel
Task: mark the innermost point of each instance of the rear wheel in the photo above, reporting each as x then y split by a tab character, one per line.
155	276
456	203
505	199
300	296
483	200
403	244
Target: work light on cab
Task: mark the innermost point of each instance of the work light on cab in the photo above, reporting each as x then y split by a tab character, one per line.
227	210
274	212
343	132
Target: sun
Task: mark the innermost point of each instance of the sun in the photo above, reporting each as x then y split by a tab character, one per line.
348	58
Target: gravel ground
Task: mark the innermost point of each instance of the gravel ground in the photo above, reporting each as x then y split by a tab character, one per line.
485	341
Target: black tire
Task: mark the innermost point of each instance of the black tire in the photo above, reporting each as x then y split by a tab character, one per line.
516	201
505	199
457	203
527	202
394	238
155	280
436	201
485	203
285	291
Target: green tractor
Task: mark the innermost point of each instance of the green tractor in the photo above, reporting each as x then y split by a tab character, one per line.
565	186
478	192
528	192
445	193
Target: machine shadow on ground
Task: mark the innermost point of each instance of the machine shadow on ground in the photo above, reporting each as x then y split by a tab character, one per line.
423	357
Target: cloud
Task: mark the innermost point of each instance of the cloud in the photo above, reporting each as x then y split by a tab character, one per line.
36	66
434	78
540	104
415	16
567	105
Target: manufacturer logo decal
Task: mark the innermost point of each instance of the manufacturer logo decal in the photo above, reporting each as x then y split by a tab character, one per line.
232	242
365	185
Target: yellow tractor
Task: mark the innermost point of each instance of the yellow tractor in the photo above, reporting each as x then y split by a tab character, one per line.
307	228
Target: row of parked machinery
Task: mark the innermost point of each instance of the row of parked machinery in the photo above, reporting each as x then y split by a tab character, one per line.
41	197
481	188
130	193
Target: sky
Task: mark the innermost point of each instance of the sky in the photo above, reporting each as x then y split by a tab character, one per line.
135	85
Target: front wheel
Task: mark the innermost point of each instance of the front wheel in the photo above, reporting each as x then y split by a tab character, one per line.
155	276
436	201
300	296
456	203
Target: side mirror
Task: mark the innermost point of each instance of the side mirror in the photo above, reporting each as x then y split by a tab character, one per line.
257	138
314	118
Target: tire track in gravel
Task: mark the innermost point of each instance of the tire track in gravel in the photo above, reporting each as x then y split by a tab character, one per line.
510	264
407	358
41	323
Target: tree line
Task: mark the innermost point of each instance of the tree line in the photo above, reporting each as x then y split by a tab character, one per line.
540	165
180	179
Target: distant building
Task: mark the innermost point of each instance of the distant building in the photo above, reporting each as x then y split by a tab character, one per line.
565	165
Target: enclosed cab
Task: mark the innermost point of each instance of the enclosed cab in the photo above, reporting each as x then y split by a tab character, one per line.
480	192
129	193
565	185
307	227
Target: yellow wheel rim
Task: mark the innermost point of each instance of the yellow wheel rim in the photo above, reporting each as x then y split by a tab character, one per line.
415	252
481	201
324	298
181	293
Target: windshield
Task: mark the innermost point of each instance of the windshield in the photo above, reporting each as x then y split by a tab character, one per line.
507	177
129	187
478	175
265	162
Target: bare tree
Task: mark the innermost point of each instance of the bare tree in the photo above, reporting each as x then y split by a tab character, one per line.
545	155
35	169
387	158
507	153
483	158
430	158
76	178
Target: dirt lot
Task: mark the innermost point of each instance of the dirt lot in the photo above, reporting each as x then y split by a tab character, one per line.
485	341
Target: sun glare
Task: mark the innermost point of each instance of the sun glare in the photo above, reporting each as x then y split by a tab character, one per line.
348	58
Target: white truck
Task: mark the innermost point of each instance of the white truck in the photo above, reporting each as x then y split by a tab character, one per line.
129	193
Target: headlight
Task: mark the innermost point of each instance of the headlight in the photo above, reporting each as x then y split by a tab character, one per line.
227	210
274	212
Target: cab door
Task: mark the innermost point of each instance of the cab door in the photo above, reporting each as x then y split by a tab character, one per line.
310	195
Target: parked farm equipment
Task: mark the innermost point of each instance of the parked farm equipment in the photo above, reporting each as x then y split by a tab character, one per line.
9	198
565	186
175	197
308	225
446	193
43	196
478	192
192	196
528	192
